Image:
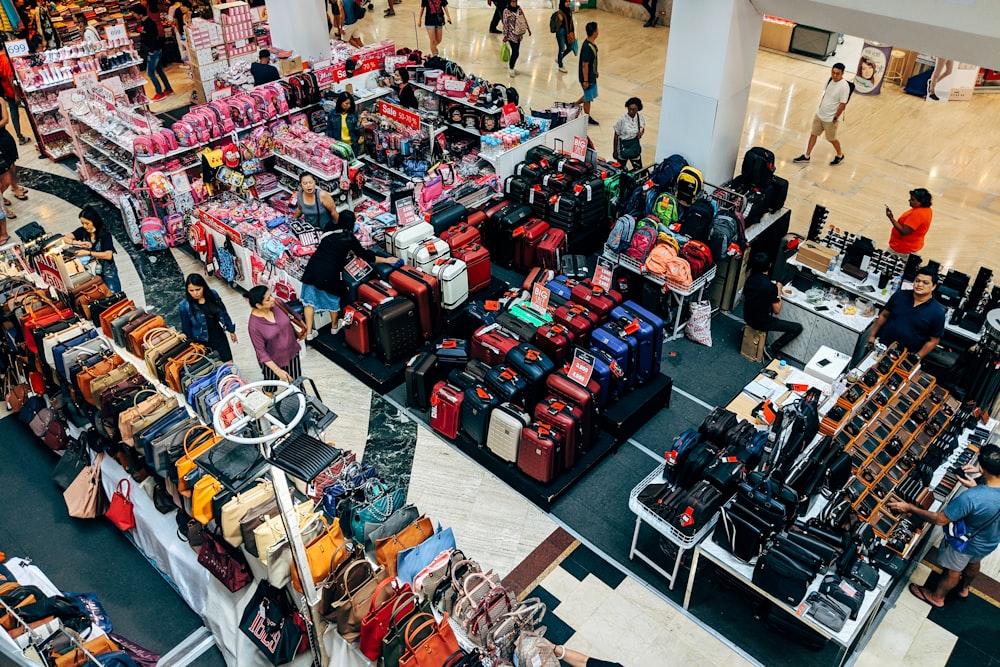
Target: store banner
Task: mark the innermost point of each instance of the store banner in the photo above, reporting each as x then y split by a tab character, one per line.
871	69
399	114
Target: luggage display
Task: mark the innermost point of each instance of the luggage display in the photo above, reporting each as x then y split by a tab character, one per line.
447	214
562	287
650	336
452	352
491	344
357	328
478	314
578	320
460	235
538	452
478	265
422	373
534	367
507	384
758	166
425	291
523	320
532	172
555	341
375	292
453	277
446	407
567	419
477	405
620	346
595	298
401	238
395	329
516	188
426	253
565	211
551	249
537	275
585	398
507	422
526	243
538	199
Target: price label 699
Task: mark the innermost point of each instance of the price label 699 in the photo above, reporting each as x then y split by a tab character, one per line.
17	47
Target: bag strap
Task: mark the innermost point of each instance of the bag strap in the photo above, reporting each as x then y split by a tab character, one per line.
970	536
128	488
200	428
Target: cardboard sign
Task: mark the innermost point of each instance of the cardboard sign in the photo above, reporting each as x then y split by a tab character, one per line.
115	31
579	148
399	114
17	47
540	297
220	93
603	273
582	367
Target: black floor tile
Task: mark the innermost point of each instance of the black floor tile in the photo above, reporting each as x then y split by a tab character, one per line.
972	620
556	631
596	565
550	601
576	568
965	654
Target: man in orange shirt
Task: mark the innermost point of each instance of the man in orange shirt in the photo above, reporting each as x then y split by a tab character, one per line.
909	231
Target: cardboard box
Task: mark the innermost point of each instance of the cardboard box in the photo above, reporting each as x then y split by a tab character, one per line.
776	35
290	65
817	257
961	94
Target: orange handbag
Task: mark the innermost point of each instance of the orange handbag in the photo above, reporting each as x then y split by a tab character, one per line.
197	441
175	366
424	650
91	373
41	316
89	294
387	550
201	498
135	337
324	554
113	313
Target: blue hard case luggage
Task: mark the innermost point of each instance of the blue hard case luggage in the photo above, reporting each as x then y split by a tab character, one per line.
561	287
477	405
612	385
507	384
534	367
620	346
650	338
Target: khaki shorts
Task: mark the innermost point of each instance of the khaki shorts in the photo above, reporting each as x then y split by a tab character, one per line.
821	126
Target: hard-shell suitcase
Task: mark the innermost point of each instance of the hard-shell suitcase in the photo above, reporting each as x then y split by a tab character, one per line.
425	291
515	188
453	277
537	275
477	261
526	243
623	348
375	292
585	398
574	266
478	369
555	341
502	233
422	372
460	235
650	334
776	193
567	419
476	218
551	249
541	153
479	315
395	329
534	367
532	172
597	299
447	214
573	168
562	287
477	405
523	321
507	422
424	254
507	384
565	211
399	239
577	319
446	408
452	352
357	328
353	279
538	199
491	343
493	208
539	451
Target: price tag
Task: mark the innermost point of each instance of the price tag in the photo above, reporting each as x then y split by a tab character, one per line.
115	31
540	297
582	367
603	274
399	114
579	148
85	80
221	93
17	47
406	214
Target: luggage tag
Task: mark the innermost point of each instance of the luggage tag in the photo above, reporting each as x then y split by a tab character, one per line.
687	518
492	306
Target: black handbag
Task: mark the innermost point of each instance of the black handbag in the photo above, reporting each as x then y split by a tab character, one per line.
273	626
741	533
844	592
73	461
782	576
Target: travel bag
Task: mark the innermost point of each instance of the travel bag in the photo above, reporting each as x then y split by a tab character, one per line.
782	576
477	405
507	422
567	419
620	346
609	375
555	341
453	277
460	235
578	320
523	320
491	343
400	239
447	214
425	292
534	367
357	328
446	407
507	384
375	292
741	532
574	267
395	329
502	238
551	249
758	166
539	451
560	384
422	373
595	298
426	253
649	334
478	265
561	287
526	243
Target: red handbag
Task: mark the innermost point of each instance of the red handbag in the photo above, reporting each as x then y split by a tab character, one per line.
120	513
375	624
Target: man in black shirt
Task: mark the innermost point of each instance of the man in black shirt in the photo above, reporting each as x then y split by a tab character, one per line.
152	44
262	70
762	303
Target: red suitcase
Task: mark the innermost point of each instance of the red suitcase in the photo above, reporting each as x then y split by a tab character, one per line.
539	452
556	341
538	275
578	320
357	328
491	343
446	406
476	218
526	243
491	211
596	298
551	249
460	235
584	398
423	289
567	419
477	261
375	292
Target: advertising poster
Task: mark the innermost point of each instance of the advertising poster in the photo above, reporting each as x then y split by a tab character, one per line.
871	69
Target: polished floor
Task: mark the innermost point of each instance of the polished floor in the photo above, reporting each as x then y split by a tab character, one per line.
893	142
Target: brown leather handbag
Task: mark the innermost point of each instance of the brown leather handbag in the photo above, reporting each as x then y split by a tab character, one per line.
144	403
350	598
101	384
113	313
87	375
157	342
388	549
237	507
175	366
135	336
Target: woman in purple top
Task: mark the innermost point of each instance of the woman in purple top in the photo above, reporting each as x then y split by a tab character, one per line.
273	337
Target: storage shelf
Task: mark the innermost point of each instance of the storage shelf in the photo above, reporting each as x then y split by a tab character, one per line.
45	131
105	153
100	74
460	100
372	161
328	178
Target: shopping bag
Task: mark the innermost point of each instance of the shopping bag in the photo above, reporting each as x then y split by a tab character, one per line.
505	52
576	47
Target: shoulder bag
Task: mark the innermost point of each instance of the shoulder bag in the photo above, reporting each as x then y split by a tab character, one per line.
323	554
269	621
121	512
85	497
411	561
387	549
224	562
957	536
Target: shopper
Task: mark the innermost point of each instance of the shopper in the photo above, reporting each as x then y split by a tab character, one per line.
407	96
498	7
11	93
762	305
313	204
831	108
912	318
93	239
88	33
588	70
179	15
565	32
41	21
152	43
273	337
628	131
571	657
908	232
979	508
263	71
391	11
204	318
334	19
515	24
343	125
650	7
351	15
942	69
322	281
433	14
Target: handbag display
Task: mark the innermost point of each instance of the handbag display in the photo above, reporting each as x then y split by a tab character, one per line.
411	561
121	512
271	530
323	553
380	501
73	461
272	625
279	555
85	497
224	562
387	549
237	507
197	441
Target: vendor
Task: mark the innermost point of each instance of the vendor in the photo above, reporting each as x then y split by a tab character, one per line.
342	123
262	70
909	230
94	240
762	304
314	205
407	97
323	281
912	318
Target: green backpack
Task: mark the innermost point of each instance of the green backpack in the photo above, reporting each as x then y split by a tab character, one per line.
666	209
555	21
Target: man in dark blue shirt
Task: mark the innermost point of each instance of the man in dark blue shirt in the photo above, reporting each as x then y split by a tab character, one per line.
262	70
912	318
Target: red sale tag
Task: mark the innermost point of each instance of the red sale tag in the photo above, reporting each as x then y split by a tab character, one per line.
492	306
687	519
581	368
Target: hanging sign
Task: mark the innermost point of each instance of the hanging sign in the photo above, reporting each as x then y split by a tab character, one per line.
579	148
85	80
603	273
399	114
582	367
325	77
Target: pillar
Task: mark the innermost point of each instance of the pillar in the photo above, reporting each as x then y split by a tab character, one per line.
300	25
706	83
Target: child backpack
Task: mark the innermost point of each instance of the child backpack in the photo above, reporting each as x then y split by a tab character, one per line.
697	220
174	225
554	22
621	234
666	208
689	185
658	258
678	272
665	173
698	256
642	242
154	234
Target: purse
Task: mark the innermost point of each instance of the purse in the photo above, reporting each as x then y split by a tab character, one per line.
201	498
71	464
958	537
411	561
121	513
387	549
279	555
322	554
533	649
237	506
400	519
375	624
272	530
270	622
350	597
629	149
433	649
85	497
380	501
224	562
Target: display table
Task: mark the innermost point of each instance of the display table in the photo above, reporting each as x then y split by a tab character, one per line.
823	324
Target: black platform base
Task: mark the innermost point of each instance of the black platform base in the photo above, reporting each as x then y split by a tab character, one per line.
371	370
632	410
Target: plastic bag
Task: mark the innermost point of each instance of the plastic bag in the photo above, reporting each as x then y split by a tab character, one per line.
576	47
505	52
699	326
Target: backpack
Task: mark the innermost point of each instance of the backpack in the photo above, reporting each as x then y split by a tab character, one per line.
682	447
667	238
154	234
724	233
666	208
656	262
621	234
642	242
689	185
697	219
554	21
665	173
850	85
698	256
635	203
678	272
174	224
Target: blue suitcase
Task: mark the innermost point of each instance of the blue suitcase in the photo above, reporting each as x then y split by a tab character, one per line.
534	367
612	384
474	418
620	346
561	288
650	336
507	384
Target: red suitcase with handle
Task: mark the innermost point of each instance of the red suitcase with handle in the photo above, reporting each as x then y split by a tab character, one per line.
477	260
357	328
539	452
446	407
596	298
375	292
460	235
585	398
567	419
578	320
538	275
491	343
551	249
424	290
526	243
556	341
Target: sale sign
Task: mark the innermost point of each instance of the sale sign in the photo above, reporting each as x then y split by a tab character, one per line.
399	114
579	148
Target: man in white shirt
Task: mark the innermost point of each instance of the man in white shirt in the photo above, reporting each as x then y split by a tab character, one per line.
831	107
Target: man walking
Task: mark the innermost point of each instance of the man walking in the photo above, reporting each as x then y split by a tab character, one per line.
979	508
588	70
831	108
498	7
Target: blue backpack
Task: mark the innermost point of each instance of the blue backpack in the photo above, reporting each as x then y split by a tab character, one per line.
665	174
621	234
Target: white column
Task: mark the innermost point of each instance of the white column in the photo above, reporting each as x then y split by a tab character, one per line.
706	83
300	26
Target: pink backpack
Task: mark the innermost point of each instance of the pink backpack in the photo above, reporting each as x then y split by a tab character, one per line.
642	243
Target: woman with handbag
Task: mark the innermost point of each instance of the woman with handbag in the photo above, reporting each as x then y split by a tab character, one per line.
515	25
94	240
204	318
628	131
273	337
565	32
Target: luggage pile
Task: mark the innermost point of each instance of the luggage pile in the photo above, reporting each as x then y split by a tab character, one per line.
759	190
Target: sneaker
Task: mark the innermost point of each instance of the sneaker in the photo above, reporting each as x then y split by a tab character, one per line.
801	158
157	97
387	13
340	325
312	335
23	140
591	121
168	91
837	160
563	69
511	73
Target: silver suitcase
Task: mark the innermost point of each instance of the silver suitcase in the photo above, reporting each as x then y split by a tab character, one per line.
425	254
453	276
400	239
506	423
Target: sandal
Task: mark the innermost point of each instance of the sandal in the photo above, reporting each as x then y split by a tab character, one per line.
920	593
23	196
7	202
11	215
4	239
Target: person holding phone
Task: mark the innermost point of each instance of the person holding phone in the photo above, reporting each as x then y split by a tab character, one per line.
909	230
762	304
913	318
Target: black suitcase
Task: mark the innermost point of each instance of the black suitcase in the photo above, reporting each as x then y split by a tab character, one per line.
540	153
534	367
516	189
574	266
776	193
538	198
532	172
501	233
564	211
422	372
447	214
574	168
477	369
477	406
396	329
758	166
524	330
507	384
